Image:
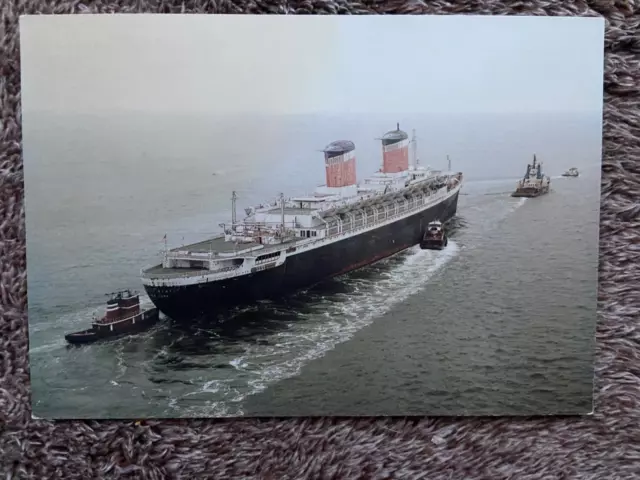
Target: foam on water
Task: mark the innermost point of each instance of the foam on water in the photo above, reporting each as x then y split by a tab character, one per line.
507	209
48	347
521	201
317	333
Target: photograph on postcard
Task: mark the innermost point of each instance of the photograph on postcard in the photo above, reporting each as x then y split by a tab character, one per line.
311	215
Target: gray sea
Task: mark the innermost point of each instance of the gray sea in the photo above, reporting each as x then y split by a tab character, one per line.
500	322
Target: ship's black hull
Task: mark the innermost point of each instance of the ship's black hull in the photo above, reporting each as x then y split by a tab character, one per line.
136	324
302	270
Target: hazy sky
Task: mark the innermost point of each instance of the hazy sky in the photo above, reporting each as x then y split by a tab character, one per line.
311	64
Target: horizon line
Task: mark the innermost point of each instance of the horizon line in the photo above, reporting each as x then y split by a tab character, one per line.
297	114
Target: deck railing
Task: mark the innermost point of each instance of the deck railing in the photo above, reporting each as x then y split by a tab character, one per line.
363	218
178	274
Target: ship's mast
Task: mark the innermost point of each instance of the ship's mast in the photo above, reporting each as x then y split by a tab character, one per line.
282	210
414	146
233	209
165	250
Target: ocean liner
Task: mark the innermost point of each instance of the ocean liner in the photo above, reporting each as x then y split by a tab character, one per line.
296	243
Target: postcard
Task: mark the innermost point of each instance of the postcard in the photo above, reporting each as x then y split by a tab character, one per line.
311	215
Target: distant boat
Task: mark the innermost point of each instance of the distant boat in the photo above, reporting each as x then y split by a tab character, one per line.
534	183
123	316
572	172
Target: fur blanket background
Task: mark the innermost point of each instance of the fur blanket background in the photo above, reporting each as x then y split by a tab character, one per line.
603	446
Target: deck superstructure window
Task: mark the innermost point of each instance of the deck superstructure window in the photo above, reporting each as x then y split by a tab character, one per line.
268	256
308	233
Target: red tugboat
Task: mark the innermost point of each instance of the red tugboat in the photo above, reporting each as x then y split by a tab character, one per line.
434	238
123	316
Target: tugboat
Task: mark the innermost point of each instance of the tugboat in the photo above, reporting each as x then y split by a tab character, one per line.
434	237
572	172
123	316
534	183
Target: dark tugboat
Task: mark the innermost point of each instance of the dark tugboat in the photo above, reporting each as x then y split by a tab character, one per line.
434	238
534	183
123	316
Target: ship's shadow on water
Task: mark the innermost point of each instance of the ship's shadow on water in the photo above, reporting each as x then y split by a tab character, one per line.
254	324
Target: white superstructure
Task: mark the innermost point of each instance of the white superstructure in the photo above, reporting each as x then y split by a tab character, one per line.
534	178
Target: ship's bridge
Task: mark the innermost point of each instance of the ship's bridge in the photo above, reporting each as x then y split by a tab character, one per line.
311	202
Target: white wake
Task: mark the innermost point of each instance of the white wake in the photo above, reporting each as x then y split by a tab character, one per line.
315	334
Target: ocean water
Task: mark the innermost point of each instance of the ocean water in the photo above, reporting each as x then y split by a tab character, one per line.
500	322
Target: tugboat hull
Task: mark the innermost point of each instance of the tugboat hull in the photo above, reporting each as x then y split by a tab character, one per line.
82	337
530	193
434	244
128	326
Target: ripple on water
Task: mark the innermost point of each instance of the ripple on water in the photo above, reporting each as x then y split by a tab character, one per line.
333	319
